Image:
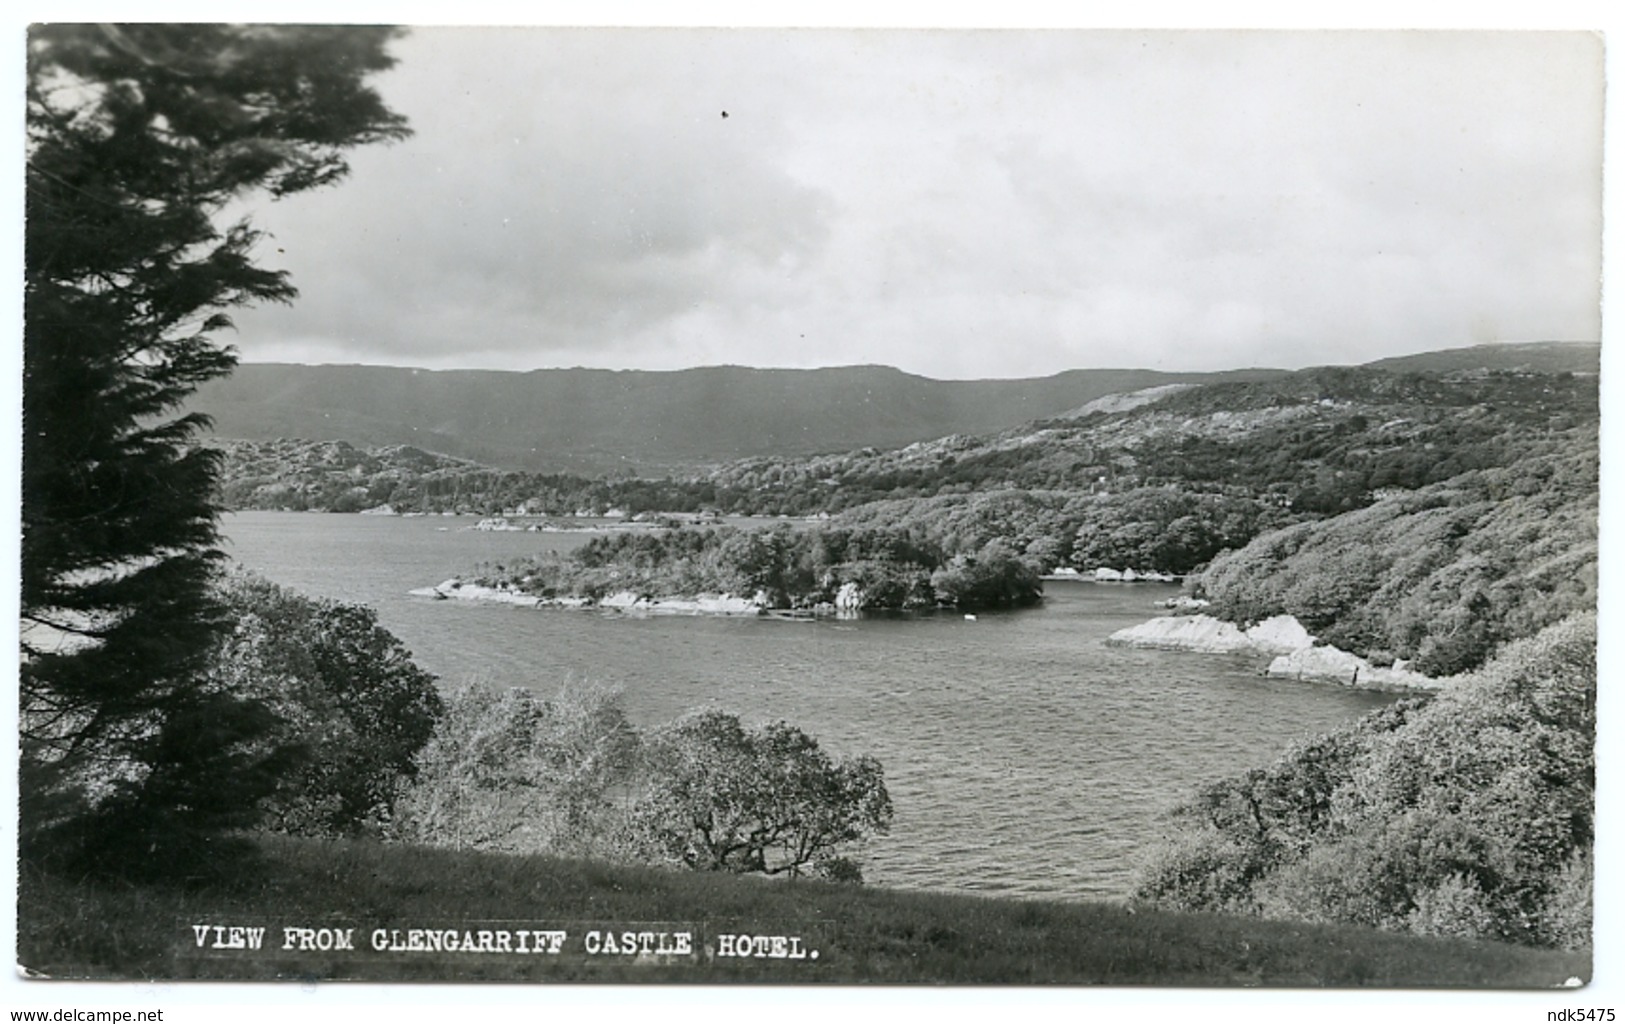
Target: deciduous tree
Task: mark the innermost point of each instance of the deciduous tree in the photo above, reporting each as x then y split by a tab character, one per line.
720	797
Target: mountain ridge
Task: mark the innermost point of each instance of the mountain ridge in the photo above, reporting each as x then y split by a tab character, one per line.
642	422
602	422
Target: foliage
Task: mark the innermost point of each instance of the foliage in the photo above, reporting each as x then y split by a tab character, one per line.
783	567
1317	442
1167	529
347	696
507	771
718	797
994	577
1308	444
138	138
1468	816
1441	576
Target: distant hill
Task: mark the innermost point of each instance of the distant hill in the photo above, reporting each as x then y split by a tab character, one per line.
1537	357
658	423
1319	441
639	422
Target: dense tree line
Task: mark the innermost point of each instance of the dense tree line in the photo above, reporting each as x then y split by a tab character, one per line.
1470	815
1148	528
335	476
1320	442
1528	397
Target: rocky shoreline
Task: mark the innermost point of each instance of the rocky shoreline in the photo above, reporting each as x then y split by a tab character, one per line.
1106	574
1293	651
623	601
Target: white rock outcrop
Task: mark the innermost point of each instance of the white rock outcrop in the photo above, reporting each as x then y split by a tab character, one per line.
1107	574
1296	655
1279	634
1334	665
1209	635
457	589
1202	633
700	604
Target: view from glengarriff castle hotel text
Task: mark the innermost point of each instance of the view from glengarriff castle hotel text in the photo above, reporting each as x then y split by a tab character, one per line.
809	507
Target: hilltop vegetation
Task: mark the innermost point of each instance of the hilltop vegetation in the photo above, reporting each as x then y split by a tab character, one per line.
1315	442
337	476
1441	576
1165	485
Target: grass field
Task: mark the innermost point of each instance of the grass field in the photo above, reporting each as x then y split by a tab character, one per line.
80	929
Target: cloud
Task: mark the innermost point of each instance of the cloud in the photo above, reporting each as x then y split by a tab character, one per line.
554	196
959	204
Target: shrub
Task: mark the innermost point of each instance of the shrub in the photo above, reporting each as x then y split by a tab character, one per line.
1468	816
1442	577
1566	915
508	771
348	696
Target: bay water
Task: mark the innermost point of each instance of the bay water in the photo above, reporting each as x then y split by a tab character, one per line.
1024	757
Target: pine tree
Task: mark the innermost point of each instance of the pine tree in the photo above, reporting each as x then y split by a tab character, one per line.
138	139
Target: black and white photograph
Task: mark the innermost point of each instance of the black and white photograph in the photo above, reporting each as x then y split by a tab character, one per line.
943	510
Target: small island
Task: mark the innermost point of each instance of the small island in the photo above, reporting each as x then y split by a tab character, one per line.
732	571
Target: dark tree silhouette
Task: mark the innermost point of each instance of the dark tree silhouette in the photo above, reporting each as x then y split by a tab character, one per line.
138	139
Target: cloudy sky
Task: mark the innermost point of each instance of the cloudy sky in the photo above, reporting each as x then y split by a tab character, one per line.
959	204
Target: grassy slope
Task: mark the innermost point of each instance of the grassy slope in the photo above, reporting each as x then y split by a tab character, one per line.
863	935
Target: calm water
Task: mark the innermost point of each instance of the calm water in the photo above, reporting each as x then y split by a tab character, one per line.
1024	757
